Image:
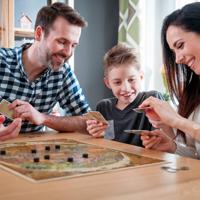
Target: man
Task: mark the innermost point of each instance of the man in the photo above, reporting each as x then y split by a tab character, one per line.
35	77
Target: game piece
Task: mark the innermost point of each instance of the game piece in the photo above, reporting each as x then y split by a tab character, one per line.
85	155
4	110
57	146
46	157
47	148
70	159
36	159
2	152
33	151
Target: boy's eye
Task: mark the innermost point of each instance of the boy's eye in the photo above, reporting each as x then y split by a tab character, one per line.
132	80
116	82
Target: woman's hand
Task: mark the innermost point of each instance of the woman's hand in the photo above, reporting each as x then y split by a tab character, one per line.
95	128
158	140
160	112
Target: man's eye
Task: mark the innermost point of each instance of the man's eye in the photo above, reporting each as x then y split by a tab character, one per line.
61	41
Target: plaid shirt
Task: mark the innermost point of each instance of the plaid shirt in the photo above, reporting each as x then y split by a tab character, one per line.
43	93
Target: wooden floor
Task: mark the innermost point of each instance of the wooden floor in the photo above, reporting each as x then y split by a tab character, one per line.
147	182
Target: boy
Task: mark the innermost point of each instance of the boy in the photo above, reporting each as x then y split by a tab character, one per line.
123	75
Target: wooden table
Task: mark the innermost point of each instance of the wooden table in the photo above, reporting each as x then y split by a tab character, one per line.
146	182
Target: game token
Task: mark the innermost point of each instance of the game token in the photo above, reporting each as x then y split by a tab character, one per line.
46	157
36	160
70	159
47	148
33	151
85	155
2	152
57	146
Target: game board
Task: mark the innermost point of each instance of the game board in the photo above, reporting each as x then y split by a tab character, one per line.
47	160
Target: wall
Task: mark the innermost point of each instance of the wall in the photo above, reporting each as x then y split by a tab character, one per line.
96	39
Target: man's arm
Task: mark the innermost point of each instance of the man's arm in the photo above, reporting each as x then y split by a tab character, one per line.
66	124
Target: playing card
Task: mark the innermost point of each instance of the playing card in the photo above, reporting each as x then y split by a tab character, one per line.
95	115
137	132
141	110
4	110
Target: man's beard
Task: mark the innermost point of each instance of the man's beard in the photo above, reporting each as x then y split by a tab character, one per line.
55	67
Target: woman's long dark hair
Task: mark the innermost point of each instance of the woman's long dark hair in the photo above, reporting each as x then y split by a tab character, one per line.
183	83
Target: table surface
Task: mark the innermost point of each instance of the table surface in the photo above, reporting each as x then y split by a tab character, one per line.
145	182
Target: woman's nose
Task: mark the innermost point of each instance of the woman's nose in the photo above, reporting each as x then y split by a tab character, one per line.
179	58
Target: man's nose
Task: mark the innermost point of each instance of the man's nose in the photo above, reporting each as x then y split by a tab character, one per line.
67	50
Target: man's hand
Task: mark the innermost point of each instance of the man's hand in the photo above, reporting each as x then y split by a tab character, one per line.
26	111
10	131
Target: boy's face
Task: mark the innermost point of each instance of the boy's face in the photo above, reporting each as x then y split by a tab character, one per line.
124	81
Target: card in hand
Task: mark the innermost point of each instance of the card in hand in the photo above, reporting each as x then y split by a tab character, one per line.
137	132
4	110
141	110
96	116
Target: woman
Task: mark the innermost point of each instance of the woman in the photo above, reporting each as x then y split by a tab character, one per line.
180	38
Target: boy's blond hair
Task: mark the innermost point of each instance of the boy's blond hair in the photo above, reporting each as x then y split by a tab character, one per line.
118	55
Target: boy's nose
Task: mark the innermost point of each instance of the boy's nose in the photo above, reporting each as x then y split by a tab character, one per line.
125	86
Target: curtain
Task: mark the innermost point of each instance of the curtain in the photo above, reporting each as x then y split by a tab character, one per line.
129	22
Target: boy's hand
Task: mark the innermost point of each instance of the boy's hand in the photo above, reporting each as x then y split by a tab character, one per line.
96	128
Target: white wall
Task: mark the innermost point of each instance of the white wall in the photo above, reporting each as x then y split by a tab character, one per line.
152	14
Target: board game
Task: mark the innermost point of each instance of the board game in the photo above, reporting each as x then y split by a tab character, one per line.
64	158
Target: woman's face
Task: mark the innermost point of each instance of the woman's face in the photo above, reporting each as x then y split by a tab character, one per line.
186	47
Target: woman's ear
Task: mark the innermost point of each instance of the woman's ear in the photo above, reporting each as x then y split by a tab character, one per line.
106	82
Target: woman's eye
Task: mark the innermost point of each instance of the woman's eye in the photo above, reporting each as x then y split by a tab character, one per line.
180	45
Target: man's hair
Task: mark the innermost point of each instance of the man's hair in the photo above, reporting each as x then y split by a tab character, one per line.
48	14
120	54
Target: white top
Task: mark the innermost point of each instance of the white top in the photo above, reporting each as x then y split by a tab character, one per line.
192	146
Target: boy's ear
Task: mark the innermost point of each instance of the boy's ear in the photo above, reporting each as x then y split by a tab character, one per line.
141	75
106	82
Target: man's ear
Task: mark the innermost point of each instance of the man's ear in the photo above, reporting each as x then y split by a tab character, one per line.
38	33
106	82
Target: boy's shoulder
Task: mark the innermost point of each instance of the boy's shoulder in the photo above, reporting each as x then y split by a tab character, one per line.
153	93
106	103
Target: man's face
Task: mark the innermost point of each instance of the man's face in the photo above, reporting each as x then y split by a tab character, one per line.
58	46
